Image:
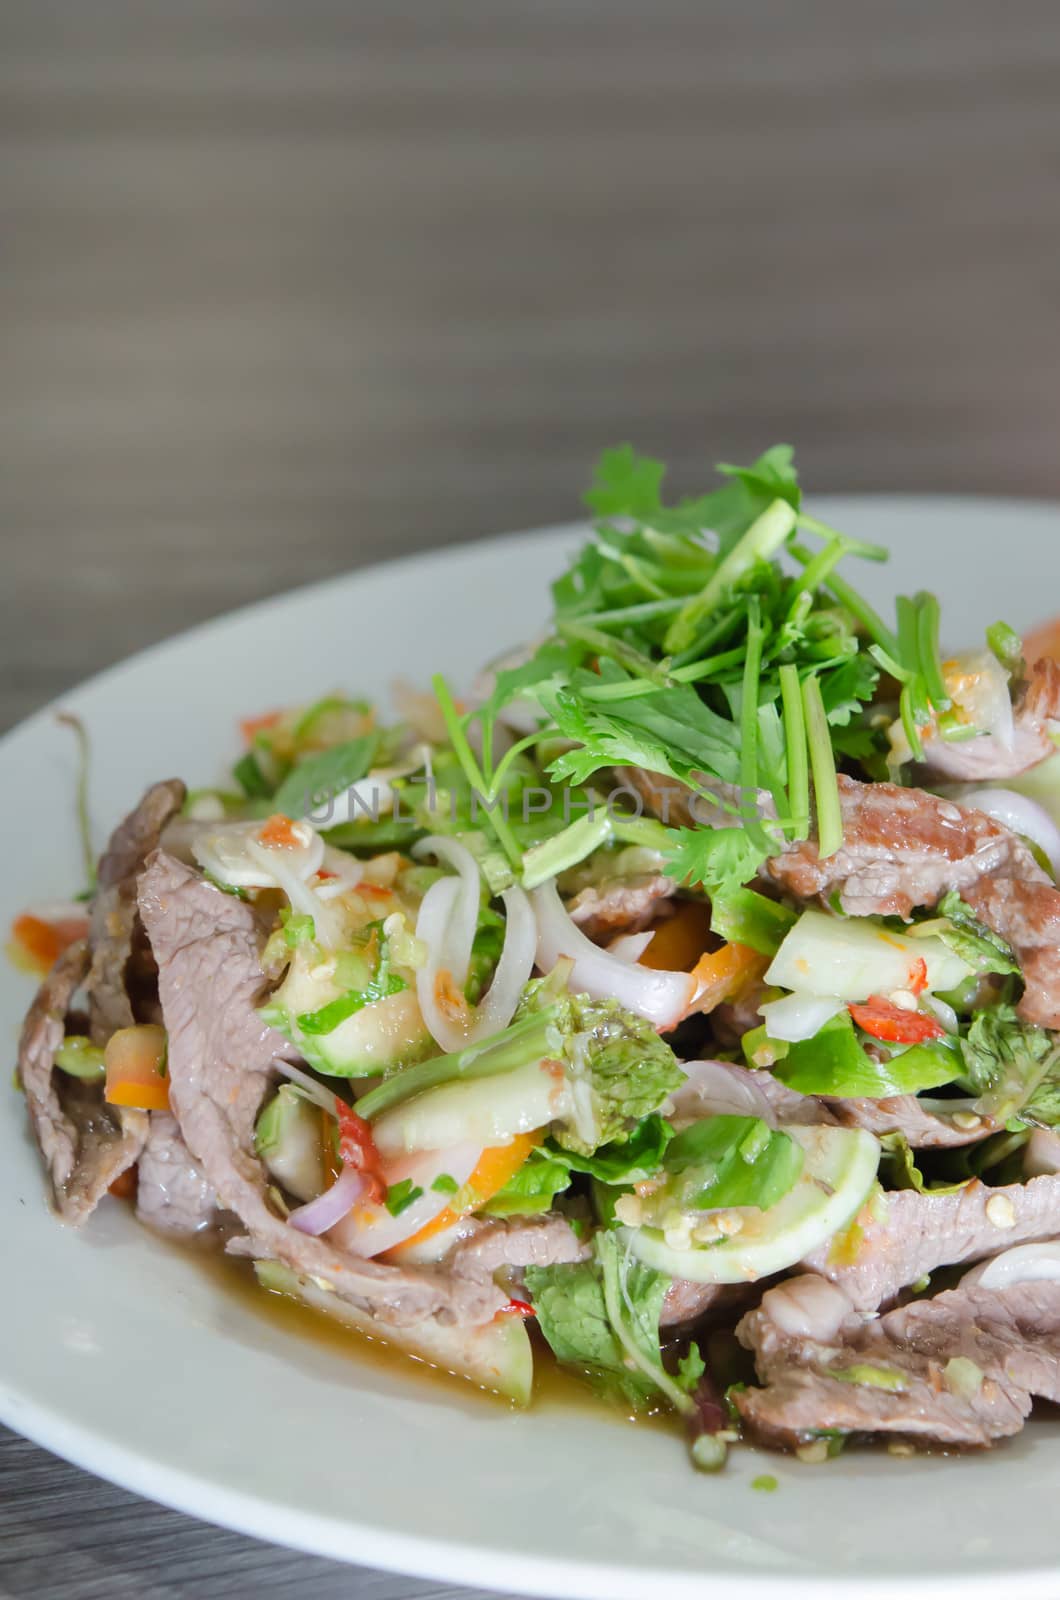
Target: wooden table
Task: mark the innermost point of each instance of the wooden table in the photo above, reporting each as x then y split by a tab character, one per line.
287	288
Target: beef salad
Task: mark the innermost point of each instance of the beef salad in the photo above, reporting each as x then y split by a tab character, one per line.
682	997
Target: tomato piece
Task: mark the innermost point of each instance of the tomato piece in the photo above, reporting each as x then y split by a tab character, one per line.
679	940
136	1068
277	832
883	1020
37	944
250	726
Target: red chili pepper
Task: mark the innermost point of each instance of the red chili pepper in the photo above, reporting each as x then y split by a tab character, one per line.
357	1149
324	876
374	891
278	832
517	1308
890	1023
918	976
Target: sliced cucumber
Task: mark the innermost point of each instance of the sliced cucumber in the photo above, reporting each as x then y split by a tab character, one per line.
386	1034
288	1138
496	1356
853	957
1040	783
482	1111
836	1179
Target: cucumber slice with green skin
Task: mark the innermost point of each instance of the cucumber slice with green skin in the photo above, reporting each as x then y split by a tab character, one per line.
386	1034
482	1111
288	1138
837	1178
496	1355
852	957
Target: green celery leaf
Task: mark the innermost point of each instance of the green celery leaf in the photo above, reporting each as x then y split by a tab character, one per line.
1013	1066
626	484
629	1160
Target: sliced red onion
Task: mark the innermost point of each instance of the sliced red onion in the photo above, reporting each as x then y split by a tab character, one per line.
1022	815
796	1017
630	946
1026	1263
330	1207
661	997
718	1089
371	1229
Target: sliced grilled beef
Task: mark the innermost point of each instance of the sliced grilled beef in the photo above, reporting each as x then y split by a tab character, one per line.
173	1194
988	757
959	1370
221	1063
543	1241
85	1143
913	1234
1027	914
902	848
621	905
114	923
905	1114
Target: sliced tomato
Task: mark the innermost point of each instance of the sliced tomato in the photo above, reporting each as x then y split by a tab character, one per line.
883	1020
251	726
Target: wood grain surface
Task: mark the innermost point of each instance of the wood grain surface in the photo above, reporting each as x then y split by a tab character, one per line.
288	287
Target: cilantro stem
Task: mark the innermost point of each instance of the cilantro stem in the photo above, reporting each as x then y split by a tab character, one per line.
84	826
822	763
565	849
795	745
615	1304
908	716
856	604
454	723
854	547
749	725
696	671
928	642
532	1038
761	541
626	655
718	633
639	613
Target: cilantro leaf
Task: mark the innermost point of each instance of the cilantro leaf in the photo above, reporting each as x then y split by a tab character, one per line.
719	860
846	688
625	484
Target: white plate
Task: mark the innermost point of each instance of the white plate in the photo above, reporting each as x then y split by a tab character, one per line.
128	1359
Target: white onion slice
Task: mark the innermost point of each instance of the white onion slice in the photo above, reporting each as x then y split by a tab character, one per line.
1026	1263
719	1089
1022	815
346	873
330	1207
463	920
370	1229
497	1007
234	856
661	997
326	922
630	946
516	963
796	1017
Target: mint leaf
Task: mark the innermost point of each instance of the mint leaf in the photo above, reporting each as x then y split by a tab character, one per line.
319	778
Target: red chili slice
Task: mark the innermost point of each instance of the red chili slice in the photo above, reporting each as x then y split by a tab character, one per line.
918	976
517	1308
890	1023
357	1149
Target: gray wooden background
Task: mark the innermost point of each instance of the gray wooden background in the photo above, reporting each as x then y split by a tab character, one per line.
291	285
